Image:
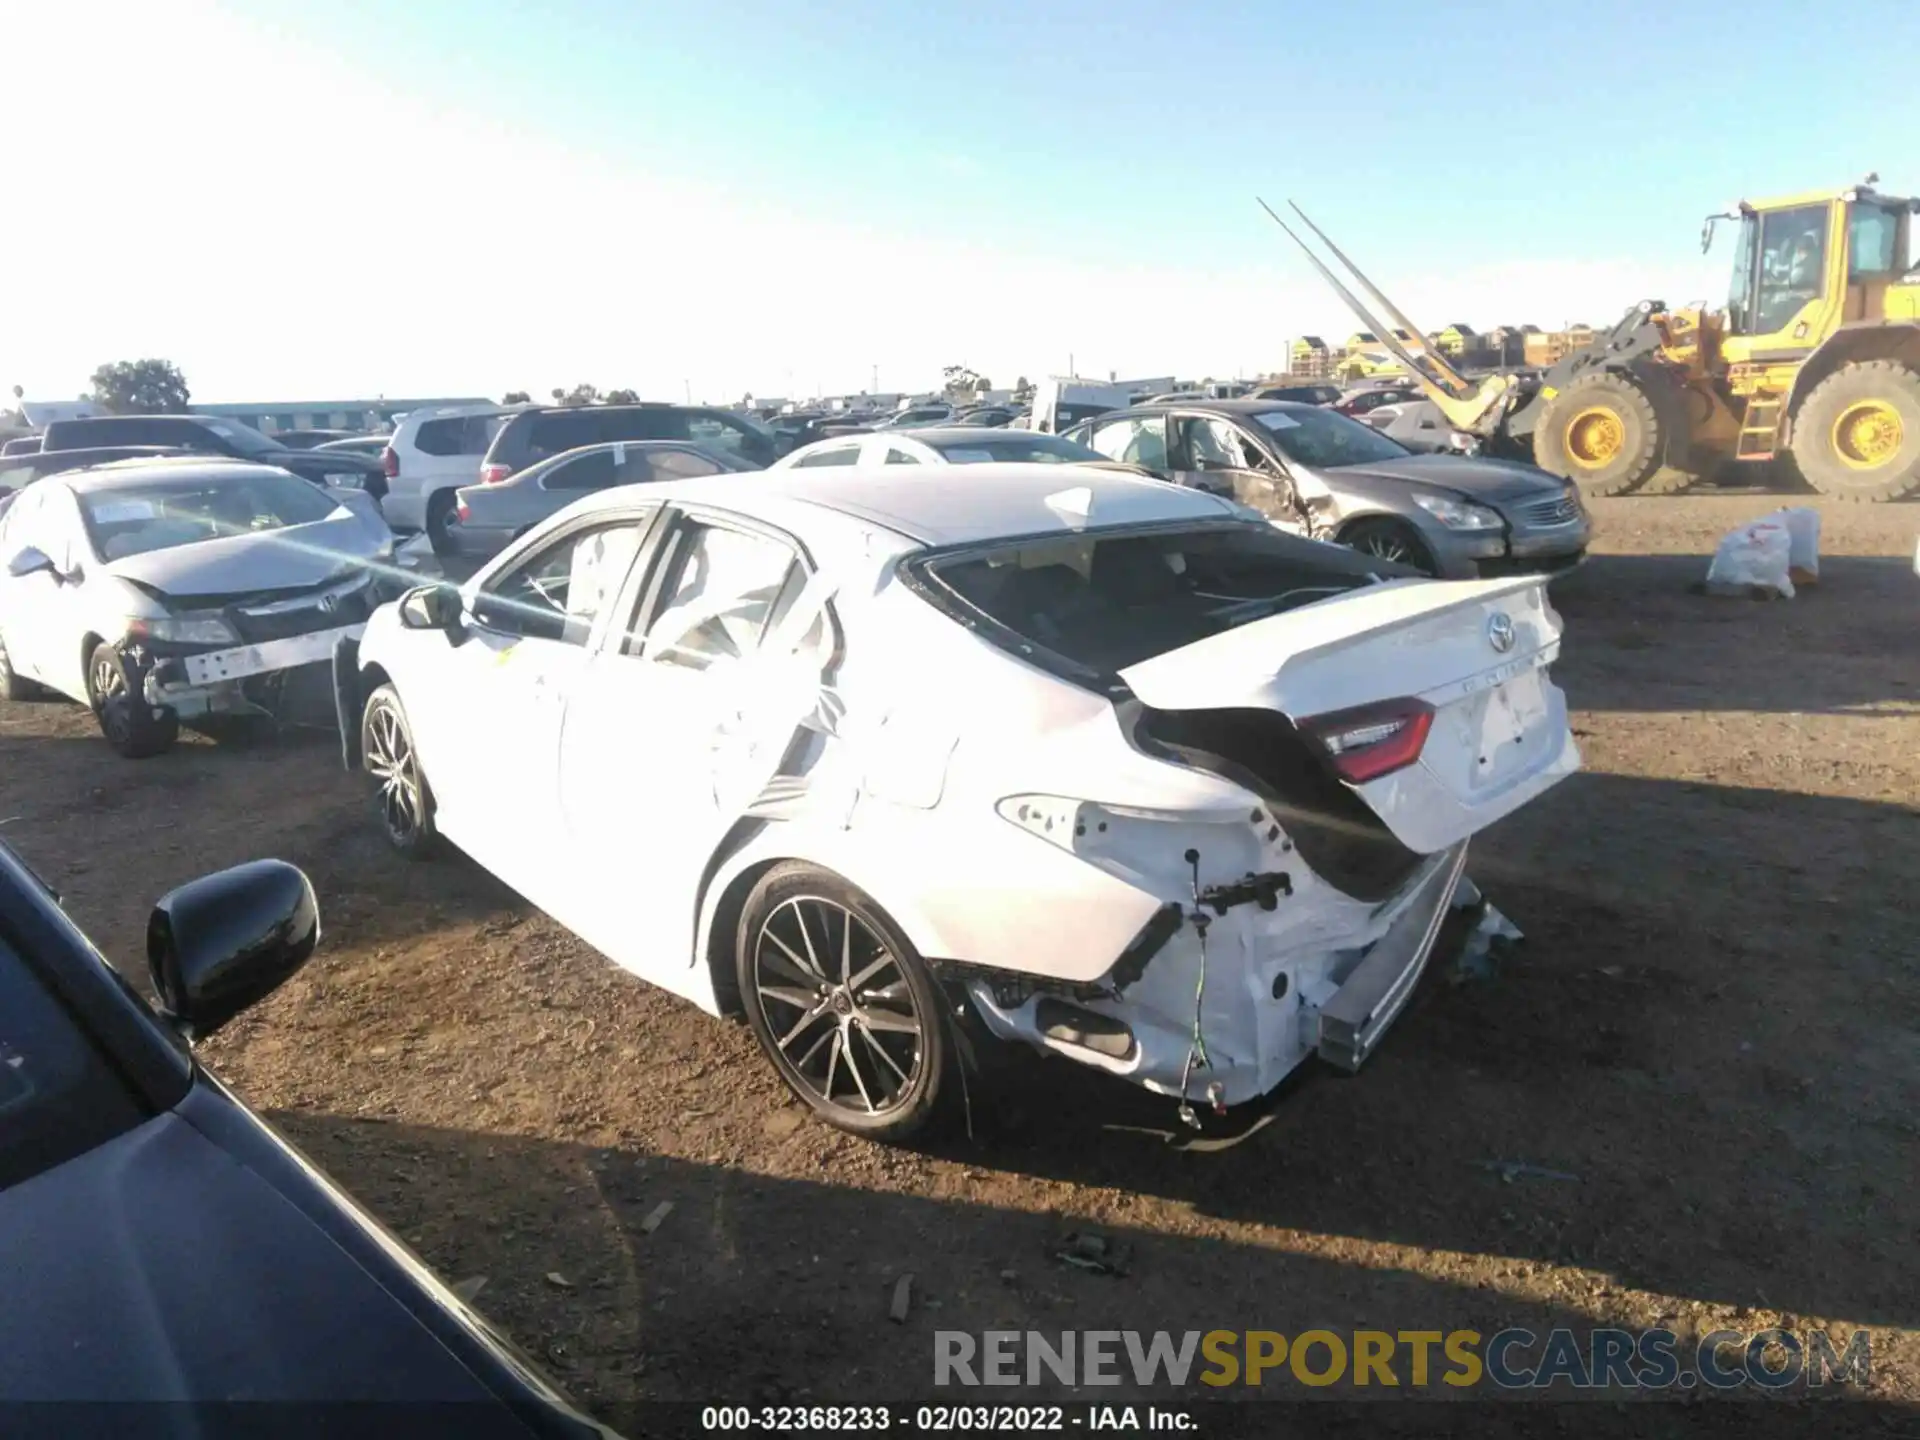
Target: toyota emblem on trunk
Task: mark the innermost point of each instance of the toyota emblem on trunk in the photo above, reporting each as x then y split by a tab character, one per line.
1500	631
331	603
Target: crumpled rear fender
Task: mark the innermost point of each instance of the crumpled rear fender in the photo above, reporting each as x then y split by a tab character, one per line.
973	890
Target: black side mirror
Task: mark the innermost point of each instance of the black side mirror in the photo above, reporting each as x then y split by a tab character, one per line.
433	607
219	943
31	561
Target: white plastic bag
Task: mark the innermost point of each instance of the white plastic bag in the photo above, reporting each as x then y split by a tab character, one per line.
1758	554
1803	543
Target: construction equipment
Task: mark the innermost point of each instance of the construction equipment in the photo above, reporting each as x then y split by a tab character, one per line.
1816	355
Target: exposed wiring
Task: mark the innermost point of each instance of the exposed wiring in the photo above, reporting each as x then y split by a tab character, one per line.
1197	1047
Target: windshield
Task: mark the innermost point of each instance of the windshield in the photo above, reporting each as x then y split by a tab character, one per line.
58	1096
1102	602
125	520
244	438
1326	439
1024	448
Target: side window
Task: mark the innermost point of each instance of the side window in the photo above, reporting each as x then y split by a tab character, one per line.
592	471
1140	440
721	597
553	434
1871	235
838	455
559	591
673	465
442	438
477	432
900	457
729	437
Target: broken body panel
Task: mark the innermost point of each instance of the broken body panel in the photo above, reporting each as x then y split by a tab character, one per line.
1102	869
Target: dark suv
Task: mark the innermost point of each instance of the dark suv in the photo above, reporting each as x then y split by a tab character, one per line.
533	435
213	435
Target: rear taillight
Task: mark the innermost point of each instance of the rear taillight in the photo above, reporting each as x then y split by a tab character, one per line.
494	474
460	509
1373	740
390	463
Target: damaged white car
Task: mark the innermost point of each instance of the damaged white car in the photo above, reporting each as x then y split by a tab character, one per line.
1136	779
161	590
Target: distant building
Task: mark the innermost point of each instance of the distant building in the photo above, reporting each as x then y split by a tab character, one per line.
279	416
1457	340
1310	356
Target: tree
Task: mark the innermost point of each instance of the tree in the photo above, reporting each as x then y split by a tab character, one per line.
515	397
140	387
962	380
622	397
581	394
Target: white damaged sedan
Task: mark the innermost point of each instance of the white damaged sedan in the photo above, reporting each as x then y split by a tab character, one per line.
160	590
1133	778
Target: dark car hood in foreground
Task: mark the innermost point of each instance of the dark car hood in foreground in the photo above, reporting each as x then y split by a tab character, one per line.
289	559
1479	477
158	1268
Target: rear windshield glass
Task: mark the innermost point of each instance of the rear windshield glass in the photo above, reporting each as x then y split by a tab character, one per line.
1034	449
58	1097
128	520
1098	603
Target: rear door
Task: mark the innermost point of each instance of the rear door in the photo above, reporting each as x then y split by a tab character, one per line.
673	727
1431	699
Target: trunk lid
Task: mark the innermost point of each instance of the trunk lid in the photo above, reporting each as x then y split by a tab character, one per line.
1474	652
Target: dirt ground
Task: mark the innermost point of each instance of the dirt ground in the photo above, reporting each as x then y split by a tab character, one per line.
1711	1036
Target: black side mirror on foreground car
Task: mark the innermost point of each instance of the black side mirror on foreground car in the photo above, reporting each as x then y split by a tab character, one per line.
218	944
433	607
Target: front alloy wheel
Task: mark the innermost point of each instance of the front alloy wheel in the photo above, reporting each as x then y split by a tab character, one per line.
388	754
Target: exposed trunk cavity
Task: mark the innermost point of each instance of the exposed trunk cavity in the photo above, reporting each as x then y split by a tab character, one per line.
1333	830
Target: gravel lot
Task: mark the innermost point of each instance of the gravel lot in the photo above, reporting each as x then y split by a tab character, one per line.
1713	1026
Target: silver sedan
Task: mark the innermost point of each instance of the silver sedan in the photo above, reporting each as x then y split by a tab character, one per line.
487	518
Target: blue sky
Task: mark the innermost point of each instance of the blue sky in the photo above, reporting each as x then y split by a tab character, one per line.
731	196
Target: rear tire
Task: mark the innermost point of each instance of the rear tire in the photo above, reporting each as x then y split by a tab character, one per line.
135	729
842	1004
1857	437
440	511
401	794
1392	540
1603	433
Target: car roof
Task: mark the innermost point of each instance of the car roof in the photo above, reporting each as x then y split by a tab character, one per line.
1244	409
122	474
952	434
925	504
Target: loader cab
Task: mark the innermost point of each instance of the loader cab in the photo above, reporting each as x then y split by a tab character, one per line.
1804	266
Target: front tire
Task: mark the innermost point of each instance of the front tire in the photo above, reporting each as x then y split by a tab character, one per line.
1857	437
842	1004
135	729
401	793
1393	541
1603	433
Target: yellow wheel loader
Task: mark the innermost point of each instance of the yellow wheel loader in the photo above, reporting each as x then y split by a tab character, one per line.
1816	355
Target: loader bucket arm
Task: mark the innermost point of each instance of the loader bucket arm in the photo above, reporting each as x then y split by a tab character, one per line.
1470	408
1455	381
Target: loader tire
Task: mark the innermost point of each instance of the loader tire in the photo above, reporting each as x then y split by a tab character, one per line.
1603	433
1857	437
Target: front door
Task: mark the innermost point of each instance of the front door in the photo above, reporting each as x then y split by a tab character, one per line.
486	711
675	726
42	615
1781	297
1212	453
